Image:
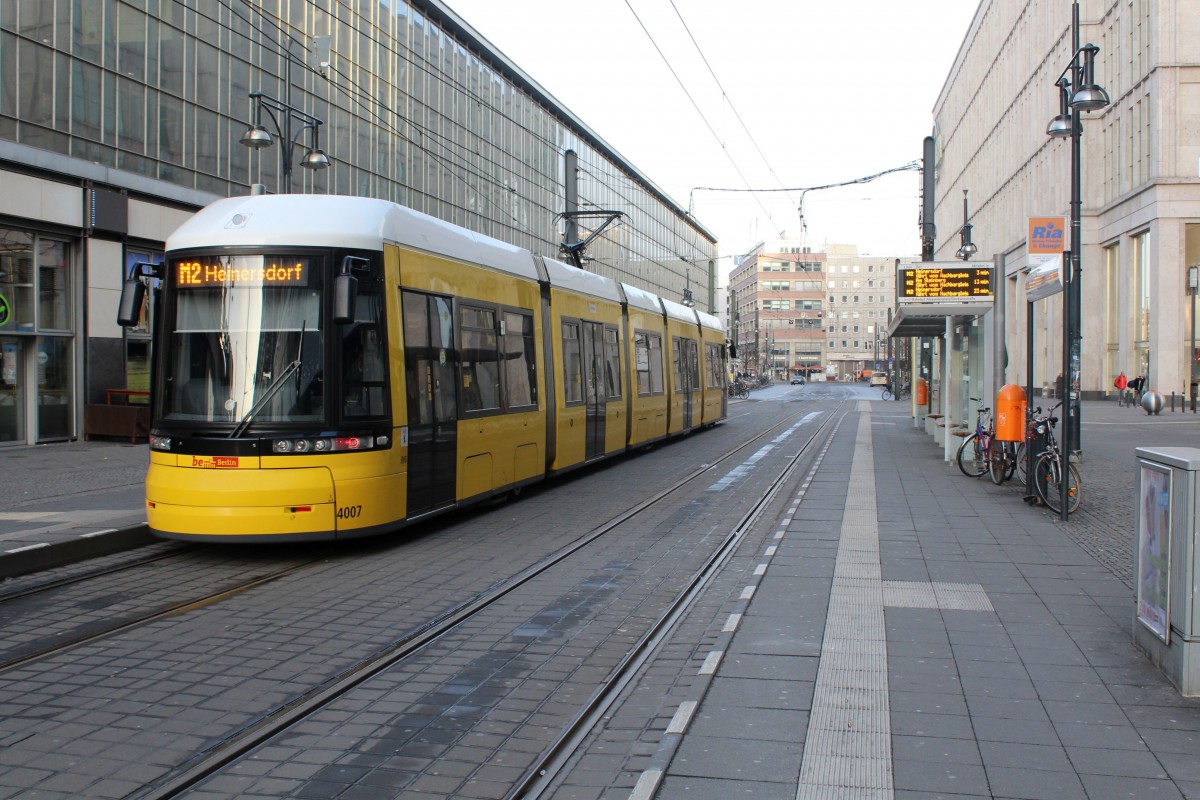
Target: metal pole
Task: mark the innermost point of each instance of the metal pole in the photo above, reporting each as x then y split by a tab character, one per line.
1071	294
1030	492
285	147
998	322
1192	355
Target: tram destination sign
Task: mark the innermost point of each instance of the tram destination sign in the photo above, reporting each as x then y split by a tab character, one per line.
937	281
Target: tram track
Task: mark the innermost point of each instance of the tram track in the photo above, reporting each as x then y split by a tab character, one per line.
241	743
418	618
553	761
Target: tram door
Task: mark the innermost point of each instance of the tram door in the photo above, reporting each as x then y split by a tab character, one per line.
687	373
595	387
430	366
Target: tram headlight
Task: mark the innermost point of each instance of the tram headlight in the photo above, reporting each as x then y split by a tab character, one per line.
337	444
160	443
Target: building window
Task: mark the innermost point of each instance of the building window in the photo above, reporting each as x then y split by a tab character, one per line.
1141	288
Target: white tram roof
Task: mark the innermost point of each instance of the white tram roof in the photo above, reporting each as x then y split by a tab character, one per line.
679	311
361	223
565	276
640	298
709	321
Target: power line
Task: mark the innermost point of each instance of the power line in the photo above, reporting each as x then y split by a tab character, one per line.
912	166
703	118
725	95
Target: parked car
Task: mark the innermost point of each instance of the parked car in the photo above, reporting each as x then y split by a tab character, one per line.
798	380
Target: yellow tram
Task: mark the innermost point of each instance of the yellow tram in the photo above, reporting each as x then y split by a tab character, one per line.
331	367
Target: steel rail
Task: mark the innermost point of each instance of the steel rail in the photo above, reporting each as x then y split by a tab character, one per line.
540	777
302	706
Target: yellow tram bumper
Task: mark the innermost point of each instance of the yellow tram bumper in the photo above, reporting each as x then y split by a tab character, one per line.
247	504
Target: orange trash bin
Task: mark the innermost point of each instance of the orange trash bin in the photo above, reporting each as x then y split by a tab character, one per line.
1010	413
922	392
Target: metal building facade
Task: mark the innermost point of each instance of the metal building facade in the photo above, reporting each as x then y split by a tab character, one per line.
118	118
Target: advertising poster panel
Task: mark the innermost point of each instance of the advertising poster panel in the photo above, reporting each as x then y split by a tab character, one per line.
1154	549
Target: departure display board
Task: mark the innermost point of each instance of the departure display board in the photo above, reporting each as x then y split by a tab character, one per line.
198	273
962	283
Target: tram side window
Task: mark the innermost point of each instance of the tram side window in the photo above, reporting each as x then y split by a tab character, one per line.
572	364
480	359
713	371
364	358
612	363
677	359
648	361
520	362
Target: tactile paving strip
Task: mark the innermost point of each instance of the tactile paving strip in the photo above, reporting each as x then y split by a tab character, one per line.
943	596
847	752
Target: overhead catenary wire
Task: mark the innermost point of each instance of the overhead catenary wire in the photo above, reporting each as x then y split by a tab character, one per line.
438	147
703	118
912	166
725	95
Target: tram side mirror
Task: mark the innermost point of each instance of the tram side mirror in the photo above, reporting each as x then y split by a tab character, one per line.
345	290
133	293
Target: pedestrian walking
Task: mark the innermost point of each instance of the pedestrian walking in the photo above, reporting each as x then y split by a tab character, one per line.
1121	383
1136	385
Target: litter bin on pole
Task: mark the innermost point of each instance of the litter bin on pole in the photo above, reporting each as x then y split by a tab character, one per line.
1166	617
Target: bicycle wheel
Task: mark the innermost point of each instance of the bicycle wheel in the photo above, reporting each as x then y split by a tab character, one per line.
1000	462
887	394
1047	474
970	457
1020	462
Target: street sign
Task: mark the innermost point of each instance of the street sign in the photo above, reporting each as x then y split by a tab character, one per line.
1046	235
939	281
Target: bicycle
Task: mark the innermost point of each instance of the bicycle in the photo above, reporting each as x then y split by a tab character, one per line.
1003	460
974	453
1047	470
737	389
899	393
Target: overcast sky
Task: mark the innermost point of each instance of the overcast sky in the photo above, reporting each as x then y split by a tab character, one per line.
830	90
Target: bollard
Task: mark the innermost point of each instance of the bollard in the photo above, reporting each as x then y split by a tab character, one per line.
1172	402
1152	402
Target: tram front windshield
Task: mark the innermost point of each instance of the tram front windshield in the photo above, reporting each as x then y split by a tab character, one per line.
245	340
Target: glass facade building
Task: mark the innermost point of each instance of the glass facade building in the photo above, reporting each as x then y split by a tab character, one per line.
147	100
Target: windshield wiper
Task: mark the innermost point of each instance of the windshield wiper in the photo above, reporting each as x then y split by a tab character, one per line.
288	371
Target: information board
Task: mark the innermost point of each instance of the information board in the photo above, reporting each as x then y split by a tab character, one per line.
971	283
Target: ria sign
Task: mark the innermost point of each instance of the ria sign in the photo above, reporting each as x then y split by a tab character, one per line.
1046	245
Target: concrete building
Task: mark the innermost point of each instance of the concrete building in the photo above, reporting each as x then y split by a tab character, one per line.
119	119
816	314
1140	184
862	294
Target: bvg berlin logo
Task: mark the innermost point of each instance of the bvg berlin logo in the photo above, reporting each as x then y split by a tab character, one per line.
1046	235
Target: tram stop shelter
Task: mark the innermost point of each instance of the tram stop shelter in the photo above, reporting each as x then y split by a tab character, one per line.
942	308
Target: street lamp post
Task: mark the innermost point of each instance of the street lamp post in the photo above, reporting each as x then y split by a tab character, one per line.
1077	93
968	247
281	115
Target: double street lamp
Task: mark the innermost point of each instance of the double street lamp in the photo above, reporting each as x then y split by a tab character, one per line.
281	115
1077	92
967	248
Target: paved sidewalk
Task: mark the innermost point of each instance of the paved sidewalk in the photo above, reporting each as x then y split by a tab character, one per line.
983	646
919	634
65	502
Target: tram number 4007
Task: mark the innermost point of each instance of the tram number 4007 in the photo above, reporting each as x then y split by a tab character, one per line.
349	512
